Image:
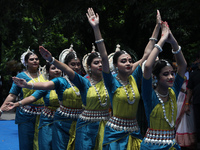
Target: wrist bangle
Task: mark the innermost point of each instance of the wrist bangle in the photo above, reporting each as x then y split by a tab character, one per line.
158	47
1	111
153	39
32	85
99	41
20	103
187	104
53	59
176	52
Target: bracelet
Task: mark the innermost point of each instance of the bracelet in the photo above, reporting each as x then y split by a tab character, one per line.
187	104
53	59
20	103
32	85
99	41
1	111
176	52
153	39
158	47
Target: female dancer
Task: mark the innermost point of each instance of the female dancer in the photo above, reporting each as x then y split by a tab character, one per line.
70	102
160	104
51	104
27	117
91	123
122	130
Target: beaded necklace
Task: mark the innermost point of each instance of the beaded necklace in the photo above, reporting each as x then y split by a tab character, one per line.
171	124
32	77
102	104
162	94
77	93
124	86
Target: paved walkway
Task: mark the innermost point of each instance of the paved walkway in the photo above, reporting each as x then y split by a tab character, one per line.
8	115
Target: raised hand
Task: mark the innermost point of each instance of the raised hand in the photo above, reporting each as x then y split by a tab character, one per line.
165	31
20	82
92	17
45	53
158	18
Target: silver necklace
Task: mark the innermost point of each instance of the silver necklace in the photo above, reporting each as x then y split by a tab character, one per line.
106	99
163	95
124	86
171	124
32	77
77	93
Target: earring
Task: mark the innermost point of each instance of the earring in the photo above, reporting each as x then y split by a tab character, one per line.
47	76
154	82
116	69
89	70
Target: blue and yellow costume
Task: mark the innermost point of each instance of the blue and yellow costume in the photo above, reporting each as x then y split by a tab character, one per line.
46	118
122	130
91	123
160	135
66	116
27	117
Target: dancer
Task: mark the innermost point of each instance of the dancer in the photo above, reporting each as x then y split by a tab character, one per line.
95	98
69	98
122	130
185	126
160	104
27	117
51	104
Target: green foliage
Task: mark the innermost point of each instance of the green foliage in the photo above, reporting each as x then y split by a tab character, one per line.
58	24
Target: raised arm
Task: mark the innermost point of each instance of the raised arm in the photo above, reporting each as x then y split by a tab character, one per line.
65	68
36	86
94	22
152	41
176	50
156	50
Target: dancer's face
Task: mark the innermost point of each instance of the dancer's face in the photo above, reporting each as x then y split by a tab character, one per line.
124	64
33	61
54	72
96	66
166	77
75	65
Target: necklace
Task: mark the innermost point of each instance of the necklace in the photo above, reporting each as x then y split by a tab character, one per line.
124	86
32	77
102	104
171	124
77	93
163	95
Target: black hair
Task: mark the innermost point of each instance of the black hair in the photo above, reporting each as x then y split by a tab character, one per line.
71	56
28	55
159	64
91	57
117	55
48	65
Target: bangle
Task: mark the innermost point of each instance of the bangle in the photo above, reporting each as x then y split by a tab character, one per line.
99	41
20	103
187	104
32	85
53	59
176	52
1	111
158	47
153	39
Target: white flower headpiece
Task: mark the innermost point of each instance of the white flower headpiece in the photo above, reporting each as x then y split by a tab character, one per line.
84	60
22	58
110	58
64	53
